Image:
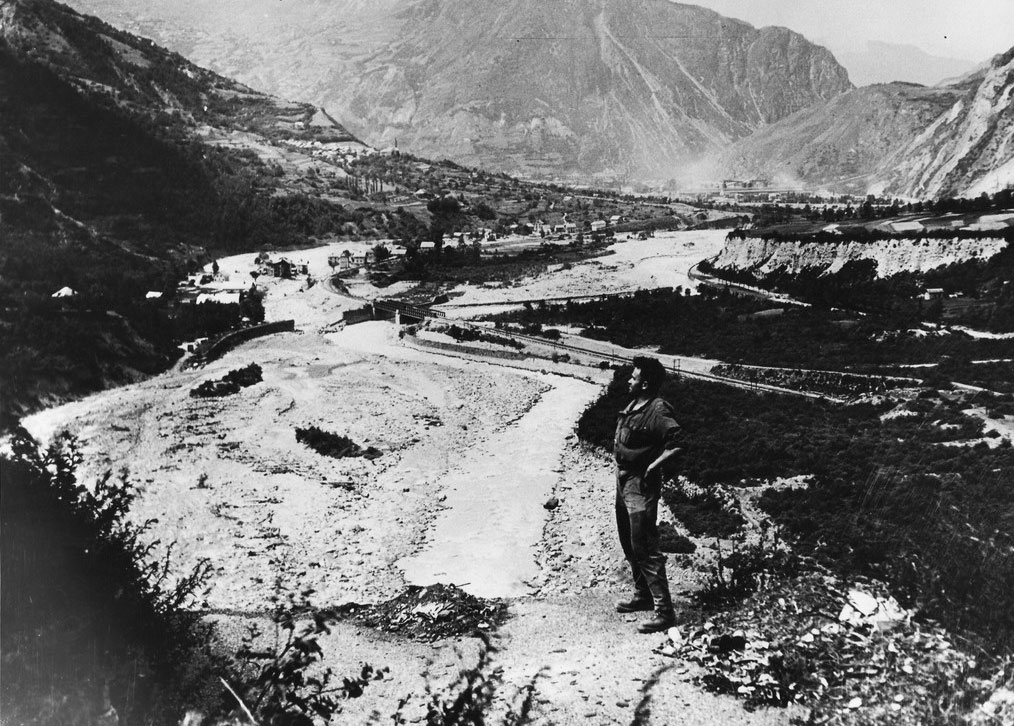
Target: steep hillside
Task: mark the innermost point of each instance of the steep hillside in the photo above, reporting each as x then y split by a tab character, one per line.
970	148
840	144
130	140
897	139
537	88
119	168
892	256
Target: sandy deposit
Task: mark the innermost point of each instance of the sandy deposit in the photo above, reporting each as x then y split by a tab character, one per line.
471	450
628	265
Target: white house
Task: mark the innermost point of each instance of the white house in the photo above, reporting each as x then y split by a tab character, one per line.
218	297
64	292
598	225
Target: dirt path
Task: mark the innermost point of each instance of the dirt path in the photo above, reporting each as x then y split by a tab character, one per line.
485	539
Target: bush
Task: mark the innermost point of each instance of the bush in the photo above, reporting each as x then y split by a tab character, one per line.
232	382
274	683
747	569
90	622
704	512
334	445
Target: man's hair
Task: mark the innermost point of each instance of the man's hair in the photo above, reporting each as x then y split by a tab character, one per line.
652	372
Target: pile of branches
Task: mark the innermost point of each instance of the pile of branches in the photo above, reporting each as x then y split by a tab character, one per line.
232	382
834	383
801	641
430	613
334	445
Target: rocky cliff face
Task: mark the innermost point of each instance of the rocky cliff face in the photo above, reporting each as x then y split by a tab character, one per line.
892	256
898	139
616	88
969	149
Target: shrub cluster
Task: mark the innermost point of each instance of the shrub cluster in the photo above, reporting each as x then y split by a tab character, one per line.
92	625
334	445
703	511
230	383
470	334
734	328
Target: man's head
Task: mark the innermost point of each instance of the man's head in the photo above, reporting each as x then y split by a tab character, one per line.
647	377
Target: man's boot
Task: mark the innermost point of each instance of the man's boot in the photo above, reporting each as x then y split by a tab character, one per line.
665	617
663	620
643	599
640	602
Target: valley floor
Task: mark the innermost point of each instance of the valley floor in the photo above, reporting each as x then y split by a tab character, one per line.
472	449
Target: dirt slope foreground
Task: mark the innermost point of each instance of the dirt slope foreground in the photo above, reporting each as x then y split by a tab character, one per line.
471	450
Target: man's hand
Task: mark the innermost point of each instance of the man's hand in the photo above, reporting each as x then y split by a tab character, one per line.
658	462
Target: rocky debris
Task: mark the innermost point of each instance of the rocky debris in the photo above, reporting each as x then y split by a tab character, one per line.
839	651
833	383
999	709
429	613
232	382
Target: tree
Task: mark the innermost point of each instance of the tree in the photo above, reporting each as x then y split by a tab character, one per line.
483	211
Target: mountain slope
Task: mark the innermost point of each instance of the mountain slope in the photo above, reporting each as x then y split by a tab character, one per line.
899	139
128	138
840	144
557	88
118	169
969	149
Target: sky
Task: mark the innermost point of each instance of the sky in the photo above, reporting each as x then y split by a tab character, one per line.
973	30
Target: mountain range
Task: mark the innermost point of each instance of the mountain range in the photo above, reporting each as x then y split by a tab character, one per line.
578	89
598	91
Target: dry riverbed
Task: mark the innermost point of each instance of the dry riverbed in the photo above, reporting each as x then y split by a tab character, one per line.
471	450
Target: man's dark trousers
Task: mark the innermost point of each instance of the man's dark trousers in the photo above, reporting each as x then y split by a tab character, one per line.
636	521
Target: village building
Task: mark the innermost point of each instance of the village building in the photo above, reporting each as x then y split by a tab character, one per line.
281	268
223	296
364	259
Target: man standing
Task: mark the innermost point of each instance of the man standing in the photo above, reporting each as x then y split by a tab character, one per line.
646	435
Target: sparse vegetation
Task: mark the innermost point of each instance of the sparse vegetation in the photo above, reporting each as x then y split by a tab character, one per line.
337	446
232	382
729	327
94	626
470	334
279	680
468	701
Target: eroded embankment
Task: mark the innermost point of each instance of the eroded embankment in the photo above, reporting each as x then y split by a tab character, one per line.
891	255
